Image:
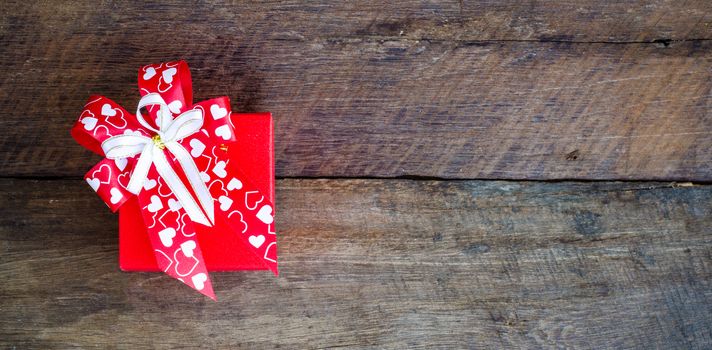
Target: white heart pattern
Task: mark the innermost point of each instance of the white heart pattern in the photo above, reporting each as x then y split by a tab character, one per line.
219	169
234	184
89	123
218	112
184	271
224	132
196	148
168	75
155	205
149	184
244	223
225	203
199	280
175	106
150	72
204	176
253	194
265	214
132	132
257	241
107	110
115	195
174	204
94	183
121	163
269	255
188	247
166	236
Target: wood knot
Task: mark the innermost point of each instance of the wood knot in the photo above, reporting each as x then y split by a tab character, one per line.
573	155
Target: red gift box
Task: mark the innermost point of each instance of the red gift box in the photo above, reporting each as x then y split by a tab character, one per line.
223	251
193	182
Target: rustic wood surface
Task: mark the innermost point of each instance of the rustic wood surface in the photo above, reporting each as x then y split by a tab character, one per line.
431	94
389	263
451	97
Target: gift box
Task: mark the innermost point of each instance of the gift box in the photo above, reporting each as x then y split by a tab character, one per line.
223	251
193	182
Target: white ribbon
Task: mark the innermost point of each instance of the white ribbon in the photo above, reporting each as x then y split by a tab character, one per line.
152	152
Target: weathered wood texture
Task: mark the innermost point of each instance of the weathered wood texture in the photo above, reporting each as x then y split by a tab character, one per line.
459	89
387	264
465	91
469	20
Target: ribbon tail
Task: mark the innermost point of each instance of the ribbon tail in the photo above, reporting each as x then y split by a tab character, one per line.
193	175
179	190
178	265
251	215
173	239
242	207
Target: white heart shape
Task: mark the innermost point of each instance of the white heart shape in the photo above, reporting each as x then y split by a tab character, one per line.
187	248
270	255
253	194
175	106
204	176
256	241
149	184
150	72
166	235
155	205
168	75
219	169
265	214
199	280
196	148
218	112
89	123
224	132
192	263
242	221
94	183
107	110
174	204
132	132
121	163
115	195
225	203
234	184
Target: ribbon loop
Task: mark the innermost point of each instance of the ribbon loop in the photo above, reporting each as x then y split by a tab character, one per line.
123	146
184	125
164	115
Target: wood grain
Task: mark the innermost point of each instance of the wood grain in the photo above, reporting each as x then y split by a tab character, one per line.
387	264
452	97
593	90
467	20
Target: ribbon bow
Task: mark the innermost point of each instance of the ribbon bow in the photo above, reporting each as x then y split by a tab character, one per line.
152	152
173	160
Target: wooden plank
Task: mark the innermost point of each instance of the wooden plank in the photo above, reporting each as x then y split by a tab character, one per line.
386	264
356	108
583	21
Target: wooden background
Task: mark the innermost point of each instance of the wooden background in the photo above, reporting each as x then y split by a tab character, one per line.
434	129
